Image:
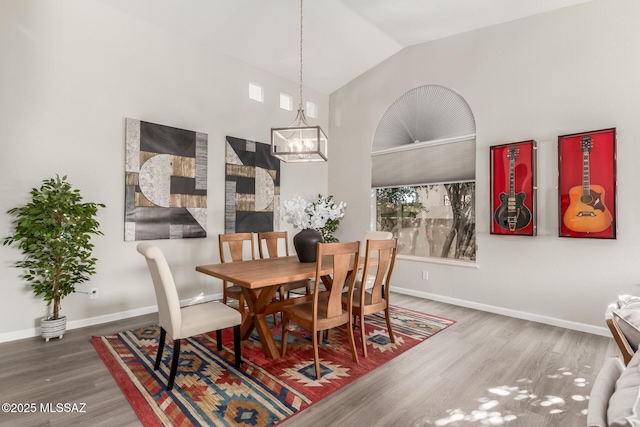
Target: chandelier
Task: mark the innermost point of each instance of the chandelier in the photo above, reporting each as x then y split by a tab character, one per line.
299	142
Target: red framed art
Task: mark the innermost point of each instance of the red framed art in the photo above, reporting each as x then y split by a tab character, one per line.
513	188
587	184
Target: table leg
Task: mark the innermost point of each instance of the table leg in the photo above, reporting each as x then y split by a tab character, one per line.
327	281
261	305
258	301
266	337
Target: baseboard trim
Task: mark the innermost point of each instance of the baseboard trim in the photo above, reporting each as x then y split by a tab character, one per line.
112	317
582	327
75	324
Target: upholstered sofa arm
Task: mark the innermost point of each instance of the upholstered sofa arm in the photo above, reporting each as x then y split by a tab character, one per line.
622	402
623	319
602	390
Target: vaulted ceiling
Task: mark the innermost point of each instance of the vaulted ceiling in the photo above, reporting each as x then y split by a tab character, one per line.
342	38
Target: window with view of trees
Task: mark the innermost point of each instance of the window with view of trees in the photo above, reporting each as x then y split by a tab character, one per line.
435	220
423	171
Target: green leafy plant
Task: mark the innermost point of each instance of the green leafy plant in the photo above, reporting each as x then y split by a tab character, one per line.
54	232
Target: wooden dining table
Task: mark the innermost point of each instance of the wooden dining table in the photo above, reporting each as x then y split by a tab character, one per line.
259	280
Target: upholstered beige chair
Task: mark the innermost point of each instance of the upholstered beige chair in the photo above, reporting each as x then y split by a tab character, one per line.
326	312
369	300
183	322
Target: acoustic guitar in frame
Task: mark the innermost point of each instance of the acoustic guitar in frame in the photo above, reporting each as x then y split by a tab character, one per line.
587	212
512	214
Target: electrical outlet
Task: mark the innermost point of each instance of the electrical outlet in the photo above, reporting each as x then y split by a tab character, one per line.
93	294
425	275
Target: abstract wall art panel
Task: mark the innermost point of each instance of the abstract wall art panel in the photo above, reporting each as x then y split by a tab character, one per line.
252	196
165	182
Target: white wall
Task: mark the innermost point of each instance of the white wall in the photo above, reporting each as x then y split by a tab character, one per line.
572	70
71	71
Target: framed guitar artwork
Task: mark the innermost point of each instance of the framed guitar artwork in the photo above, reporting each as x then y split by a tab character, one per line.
587	184
513	188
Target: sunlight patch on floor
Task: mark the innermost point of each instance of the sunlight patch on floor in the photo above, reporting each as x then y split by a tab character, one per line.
496	408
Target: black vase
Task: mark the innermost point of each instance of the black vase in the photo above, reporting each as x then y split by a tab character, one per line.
306	244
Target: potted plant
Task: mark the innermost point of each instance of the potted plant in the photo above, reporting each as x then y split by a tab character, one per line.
54	232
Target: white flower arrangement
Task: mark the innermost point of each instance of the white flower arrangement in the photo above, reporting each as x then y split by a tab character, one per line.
323	215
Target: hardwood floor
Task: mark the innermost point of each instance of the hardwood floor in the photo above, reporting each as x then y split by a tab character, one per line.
486	369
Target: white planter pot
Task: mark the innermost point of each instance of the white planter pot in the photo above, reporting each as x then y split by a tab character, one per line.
50	328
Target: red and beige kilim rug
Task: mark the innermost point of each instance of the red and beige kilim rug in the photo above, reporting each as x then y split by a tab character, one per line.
209	390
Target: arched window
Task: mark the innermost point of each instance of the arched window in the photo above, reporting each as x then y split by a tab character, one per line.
423	173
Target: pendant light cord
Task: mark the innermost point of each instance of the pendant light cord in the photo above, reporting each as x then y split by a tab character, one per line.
300	106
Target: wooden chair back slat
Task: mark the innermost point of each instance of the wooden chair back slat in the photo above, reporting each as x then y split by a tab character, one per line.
235	243
345	259
384	252
268	244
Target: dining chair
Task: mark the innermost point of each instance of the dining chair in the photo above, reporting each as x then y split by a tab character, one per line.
269	243
374	235
370	235
326	311
371	300
183	322
233	247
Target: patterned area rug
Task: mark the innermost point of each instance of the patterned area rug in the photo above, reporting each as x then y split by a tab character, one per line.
209	390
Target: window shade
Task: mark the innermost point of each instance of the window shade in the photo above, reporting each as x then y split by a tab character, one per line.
425	164
426	136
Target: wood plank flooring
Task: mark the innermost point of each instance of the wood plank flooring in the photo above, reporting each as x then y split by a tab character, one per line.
486	369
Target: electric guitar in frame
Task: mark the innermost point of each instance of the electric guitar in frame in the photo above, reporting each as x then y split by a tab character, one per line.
512	214
587	212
